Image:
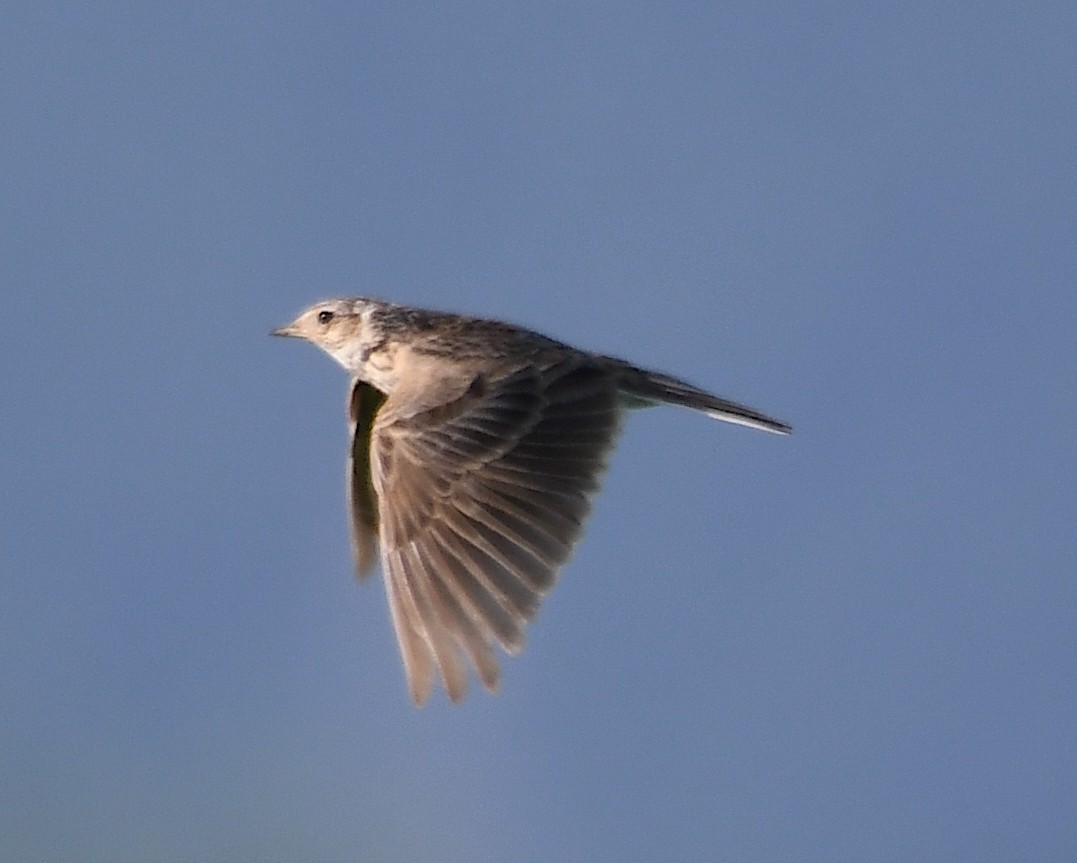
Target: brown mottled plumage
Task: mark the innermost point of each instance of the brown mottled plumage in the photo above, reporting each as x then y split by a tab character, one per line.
476	449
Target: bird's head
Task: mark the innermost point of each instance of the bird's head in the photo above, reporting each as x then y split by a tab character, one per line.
345	329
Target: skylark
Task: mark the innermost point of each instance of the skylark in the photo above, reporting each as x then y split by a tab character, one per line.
476	447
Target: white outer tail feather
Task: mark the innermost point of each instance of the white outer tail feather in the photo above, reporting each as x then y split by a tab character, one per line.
647	388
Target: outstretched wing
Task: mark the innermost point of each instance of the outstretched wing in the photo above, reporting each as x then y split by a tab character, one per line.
362	499
481	501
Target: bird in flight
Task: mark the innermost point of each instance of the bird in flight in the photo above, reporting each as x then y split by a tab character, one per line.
476	448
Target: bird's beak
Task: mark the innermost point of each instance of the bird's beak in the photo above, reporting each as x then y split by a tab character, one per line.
289	330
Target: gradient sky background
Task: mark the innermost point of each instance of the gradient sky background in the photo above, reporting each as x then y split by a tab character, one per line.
859	643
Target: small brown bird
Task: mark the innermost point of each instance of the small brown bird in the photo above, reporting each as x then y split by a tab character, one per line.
476	447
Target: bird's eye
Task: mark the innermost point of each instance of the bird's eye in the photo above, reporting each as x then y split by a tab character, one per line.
325	316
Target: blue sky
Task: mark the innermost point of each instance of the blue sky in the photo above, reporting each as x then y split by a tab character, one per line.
859	643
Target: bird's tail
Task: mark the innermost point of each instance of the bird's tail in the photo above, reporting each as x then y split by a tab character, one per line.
641	388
